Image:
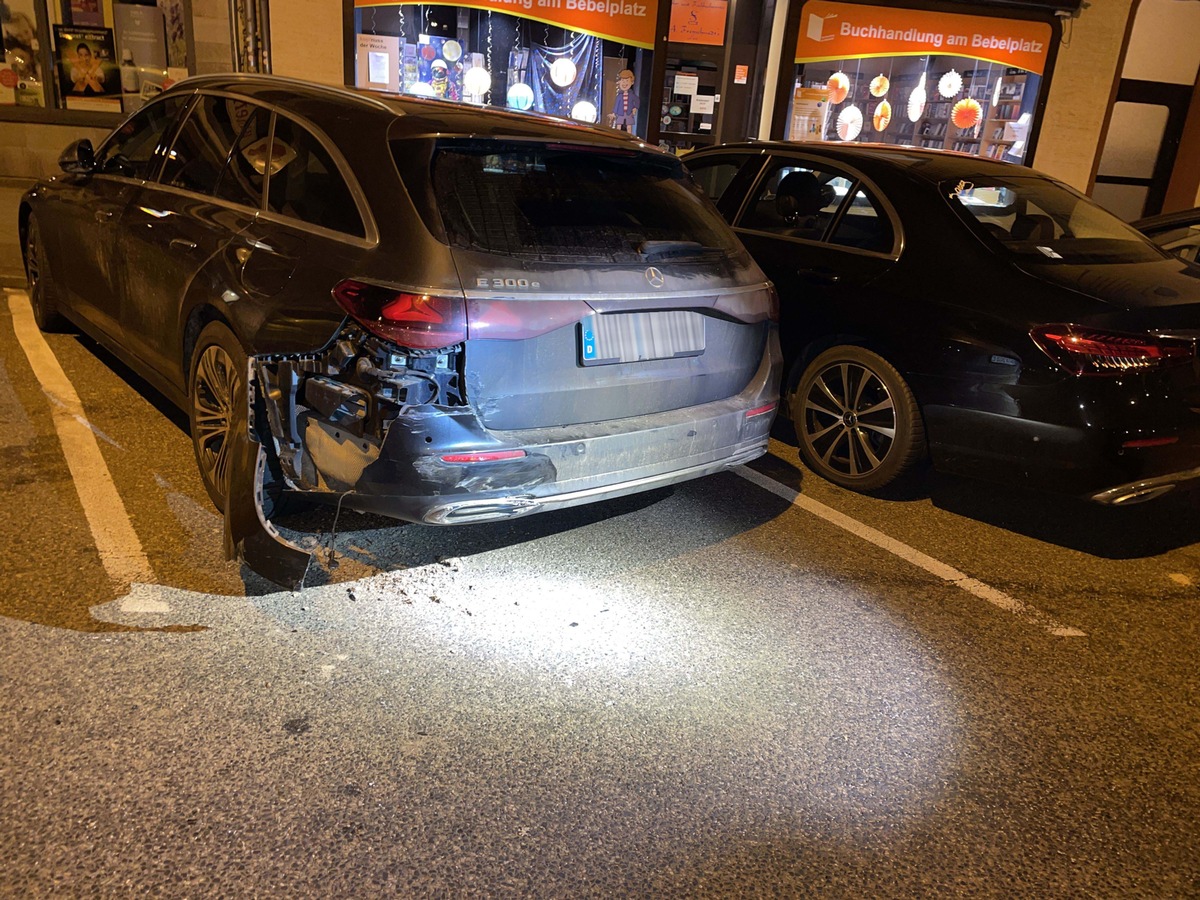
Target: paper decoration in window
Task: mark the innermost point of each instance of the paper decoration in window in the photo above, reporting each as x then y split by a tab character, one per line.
452	51
966	113
420	89
916	100
950	84
520	96
562	72
839	87
883	116
584	111
477	81
849	123
879	85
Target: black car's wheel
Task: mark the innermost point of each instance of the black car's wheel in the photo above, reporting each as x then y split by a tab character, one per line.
216	386
856	421
42	296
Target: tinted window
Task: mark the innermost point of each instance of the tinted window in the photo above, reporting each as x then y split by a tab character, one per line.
796	201
714	176
864	225
198	156
1046	221
563	202
245	173
129	151
305	184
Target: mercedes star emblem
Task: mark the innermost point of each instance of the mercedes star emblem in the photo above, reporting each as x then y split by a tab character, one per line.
655	277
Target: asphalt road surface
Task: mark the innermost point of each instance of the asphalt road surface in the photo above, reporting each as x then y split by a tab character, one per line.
756	684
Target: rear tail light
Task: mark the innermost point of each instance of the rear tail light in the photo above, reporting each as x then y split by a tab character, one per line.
483	456
1088	351
417	321
760	411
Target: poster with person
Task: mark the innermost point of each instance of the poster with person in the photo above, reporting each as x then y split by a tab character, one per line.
88	74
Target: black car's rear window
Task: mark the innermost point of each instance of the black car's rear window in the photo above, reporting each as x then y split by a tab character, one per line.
1046	222
567	202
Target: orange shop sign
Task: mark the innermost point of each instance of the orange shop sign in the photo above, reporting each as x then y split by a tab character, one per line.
698	21
619	20
835	31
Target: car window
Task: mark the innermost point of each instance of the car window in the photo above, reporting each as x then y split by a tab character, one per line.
245	174
305	183
566	202
129	151
1046	221
714	175
198	156
864	225
796	201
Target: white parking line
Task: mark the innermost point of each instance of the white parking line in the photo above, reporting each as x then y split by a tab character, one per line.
120	550
999	599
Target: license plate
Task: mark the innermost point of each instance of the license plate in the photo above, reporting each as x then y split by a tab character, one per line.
632	337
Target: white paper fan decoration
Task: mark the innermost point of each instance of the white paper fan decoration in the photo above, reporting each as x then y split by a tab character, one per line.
879	85
849	123
839	87
950	84
916	100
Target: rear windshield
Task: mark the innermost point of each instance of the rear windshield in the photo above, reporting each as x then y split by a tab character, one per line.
1044	221
572	203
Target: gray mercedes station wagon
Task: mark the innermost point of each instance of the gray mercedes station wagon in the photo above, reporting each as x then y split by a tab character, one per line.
437	312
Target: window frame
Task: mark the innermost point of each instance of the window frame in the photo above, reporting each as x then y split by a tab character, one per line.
858	182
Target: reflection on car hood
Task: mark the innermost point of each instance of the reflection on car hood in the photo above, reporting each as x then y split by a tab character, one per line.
1166	285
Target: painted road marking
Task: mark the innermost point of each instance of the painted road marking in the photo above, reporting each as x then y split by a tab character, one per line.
999	599
120	550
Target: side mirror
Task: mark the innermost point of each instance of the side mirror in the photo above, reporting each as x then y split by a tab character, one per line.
78	159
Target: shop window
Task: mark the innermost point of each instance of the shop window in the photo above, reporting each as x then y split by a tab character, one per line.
492	57
796	202
130	151
90	55
305	183
912	77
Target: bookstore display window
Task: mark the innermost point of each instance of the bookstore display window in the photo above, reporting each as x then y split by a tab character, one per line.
498	59
90	55
942	102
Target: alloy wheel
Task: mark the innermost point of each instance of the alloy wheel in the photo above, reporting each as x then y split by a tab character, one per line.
213	389
849	419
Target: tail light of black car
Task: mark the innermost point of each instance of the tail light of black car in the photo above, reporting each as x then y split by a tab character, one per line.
416	321
1090	351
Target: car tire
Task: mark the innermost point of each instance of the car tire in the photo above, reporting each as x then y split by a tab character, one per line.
857	422
43	296
216	386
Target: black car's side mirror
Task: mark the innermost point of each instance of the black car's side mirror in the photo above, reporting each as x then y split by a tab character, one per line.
78	159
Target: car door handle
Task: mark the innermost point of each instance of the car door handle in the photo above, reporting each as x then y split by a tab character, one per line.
820	276
102	215
181	244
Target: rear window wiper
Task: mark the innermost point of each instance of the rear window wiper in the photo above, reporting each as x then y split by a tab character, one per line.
669	249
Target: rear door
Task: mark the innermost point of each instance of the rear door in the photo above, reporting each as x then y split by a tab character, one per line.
821	233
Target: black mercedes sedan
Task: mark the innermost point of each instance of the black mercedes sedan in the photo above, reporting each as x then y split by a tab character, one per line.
972	312
437	312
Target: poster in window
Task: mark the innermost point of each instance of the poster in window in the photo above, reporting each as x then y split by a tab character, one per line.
20	65
88	74
83	13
